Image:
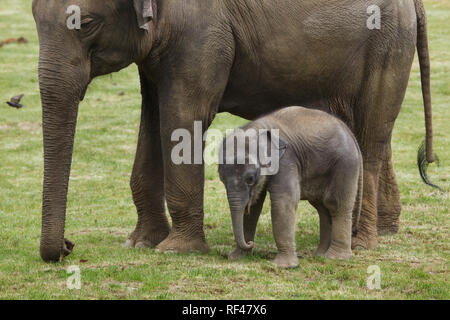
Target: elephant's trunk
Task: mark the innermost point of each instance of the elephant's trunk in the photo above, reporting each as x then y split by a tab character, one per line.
62	85
237	216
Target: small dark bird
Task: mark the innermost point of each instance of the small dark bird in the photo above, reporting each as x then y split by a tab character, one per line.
22	40
15	102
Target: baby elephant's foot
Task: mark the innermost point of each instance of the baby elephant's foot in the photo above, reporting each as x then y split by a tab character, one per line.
284	260
238	253
338	254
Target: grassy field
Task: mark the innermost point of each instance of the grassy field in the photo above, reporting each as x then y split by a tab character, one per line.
100	214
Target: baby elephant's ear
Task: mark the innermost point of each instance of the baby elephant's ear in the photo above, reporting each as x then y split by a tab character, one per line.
275	140
144	12
282	146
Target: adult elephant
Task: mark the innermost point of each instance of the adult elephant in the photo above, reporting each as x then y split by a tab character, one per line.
247	57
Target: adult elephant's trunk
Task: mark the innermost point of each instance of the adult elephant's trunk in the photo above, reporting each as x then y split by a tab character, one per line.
62	84
237	216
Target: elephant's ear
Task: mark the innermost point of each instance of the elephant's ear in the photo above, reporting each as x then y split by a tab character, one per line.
144	12
273	140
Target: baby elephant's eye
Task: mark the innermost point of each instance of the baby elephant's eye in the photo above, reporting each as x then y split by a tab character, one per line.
250	180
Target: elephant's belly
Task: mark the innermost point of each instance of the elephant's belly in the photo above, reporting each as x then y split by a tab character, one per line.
291	69
252	94
257	103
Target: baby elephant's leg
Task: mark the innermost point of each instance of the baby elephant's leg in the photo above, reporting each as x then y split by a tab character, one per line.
341	235
250	223
339	199
325	229
284	210
340	206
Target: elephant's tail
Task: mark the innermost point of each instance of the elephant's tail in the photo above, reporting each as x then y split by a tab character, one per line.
359	196
425	155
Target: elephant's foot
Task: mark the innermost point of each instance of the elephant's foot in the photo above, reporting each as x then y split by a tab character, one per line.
335	253
363	241
284	260
178	243
142	238
320	251
388	218
238	253
388	229
388	224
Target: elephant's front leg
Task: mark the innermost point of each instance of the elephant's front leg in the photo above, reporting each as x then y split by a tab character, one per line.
284	196
284	210
147	179
184	120
193	79
184	184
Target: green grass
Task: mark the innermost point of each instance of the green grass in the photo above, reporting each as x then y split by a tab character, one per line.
100	211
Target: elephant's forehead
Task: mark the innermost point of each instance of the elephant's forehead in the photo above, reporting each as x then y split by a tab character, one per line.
233	181
58	10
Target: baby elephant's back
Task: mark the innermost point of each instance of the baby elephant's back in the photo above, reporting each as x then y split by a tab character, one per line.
314	133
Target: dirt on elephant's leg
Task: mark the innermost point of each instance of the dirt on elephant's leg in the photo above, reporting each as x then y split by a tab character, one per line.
147	180
389	204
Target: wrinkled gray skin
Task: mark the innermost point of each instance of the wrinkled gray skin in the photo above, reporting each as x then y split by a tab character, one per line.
320	161
250	57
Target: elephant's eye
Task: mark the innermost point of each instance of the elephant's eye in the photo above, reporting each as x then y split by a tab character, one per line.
250	180
90	25
86	23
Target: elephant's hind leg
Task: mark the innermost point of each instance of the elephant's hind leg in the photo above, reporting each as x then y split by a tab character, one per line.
325	229
336	211
381	95
147	180
389	204
341	225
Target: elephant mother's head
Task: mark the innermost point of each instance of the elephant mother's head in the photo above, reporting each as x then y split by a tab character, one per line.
79	40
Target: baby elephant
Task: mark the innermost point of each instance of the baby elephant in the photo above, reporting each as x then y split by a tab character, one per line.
294	154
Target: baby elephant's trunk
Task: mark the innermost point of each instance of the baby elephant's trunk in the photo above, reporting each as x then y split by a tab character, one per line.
237	215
